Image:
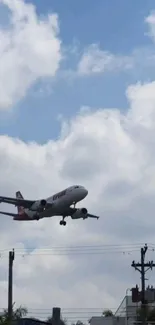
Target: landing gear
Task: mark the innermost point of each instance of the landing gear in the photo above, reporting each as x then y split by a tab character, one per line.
74	204
63	223
37	218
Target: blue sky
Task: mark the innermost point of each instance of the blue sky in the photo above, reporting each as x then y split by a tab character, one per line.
118	27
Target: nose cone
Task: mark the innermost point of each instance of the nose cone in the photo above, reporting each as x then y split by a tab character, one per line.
81	193
84	192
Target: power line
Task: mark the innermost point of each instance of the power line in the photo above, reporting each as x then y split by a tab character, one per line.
84	246
25	254
97	245
74	310
83	249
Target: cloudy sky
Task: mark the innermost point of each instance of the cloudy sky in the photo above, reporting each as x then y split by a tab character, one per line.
77	106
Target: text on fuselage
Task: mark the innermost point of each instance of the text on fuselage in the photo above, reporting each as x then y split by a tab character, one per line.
58	195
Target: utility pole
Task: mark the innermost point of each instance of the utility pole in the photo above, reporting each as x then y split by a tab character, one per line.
10	284
141	267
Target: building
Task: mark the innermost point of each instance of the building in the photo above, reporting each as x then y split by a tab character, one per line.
125	314
28	321
128	309
110	320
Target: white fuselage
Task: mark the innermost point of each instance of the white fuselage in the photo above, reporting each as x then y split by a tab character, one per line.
62	200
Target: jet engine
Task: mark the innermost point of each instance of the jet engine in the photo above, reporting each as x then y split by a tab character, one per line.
80	213
39	205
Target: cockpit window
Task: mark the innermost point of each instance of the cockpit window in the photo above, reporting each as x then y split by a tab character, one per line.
77	186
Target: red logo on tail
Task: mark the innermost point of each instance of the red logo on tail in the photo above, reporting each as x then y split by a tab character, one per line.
20	209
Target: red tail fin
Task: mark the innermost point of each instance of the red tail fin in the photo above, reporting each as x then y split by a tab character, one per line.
20	209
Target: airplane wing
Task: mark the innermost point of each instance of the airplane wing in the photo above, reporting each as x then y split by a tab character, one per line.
71	211
17	202
92	216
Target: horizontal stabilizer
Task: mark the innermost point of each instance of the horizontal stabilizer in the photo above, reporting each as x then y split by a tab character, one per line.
9	214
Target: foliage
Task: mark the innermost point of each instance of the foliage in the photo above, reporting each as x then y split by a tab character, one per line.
62	322
17	314
107	313
49	320
146	313
78	323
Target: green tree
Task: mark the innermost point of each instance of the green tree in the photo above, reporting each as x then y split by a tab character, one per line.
17	314
107	313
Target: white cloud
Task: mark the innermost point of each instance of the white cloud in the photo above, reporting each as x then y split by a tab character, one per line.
142	96
29	50
112	154
95	61
150	20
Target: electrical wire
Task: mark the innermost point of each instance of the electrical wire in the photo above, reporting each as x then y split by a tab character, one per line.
80	249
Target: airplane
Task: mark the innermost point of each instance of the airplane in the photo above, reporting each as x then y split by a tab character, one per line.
57	205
